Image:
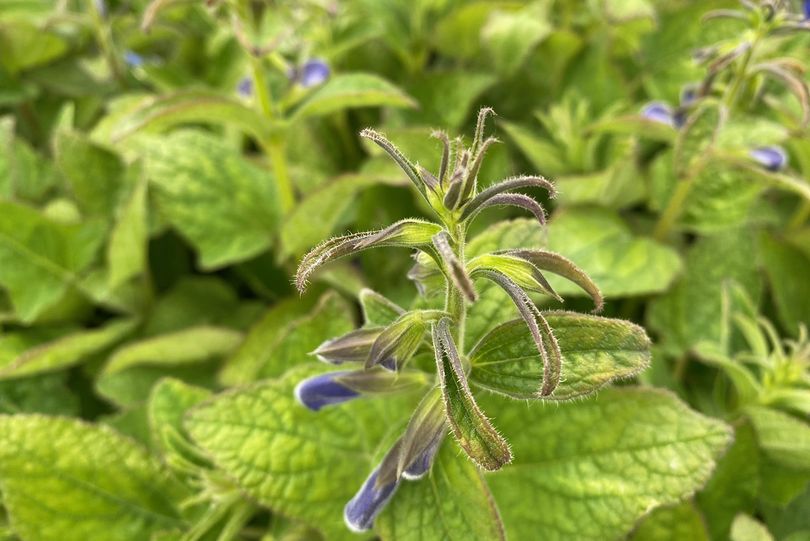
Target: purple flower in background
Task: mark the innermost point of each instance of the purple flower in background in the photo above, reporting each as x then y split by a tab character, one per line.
361	510
772	158
658	111
323	390
133	59
806	5
313	73
245	87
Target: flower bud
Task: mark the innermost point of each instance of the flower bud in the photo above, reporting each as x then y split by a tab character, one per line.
245	87
324	390
313	73
658	111
398	342
351	347
772	158
363	508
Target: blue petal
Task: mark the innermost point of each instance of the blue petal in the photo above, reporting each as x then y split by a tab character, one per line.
133	59
313	73
245	87
323	390
807	9
658	111
423	462
361	510
772	158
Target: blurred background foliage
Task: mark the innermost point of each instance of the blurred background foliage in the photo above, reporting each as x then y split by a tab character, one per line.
165	164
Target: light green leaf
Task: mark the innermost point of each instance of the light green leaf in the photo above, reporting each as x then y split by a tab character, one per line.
458	34
445	97
734	486
25	46
61	353
453	502
597	241
671	523
696	137
127	247
783	438
66	480
541	153
352	90
224	205
180	347
166	408
595	350
303	464
746	528
285	337
308	226
785	267
691	311
35	250
93	172
378	311
24	173
509	37
591	469
161	113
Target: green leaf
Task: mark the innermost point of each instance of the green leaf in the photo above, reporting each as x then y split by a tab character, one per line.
308	225
598	242
94	173
24	173
303	464
63	352
378	311
186	346
746	528
66	480
691	312
669	523
541	153
445	97
168	403
458	34
785	267
509	37
471	428
734	485
453	502
127	247
696	137
25	46
783	438
35	250
46	394
349	90
590	469
161	113
286	337
224	205
595	351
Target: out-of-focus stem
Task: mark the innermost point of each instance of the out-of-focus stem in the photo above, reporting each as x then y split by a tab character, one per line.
673	209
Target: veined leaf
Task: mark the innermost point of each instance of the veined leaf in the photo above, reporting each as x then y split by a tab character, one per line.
224	205
595	351
127	247
64	351
349	90
36	250
179	347
65	480
592	468
783	438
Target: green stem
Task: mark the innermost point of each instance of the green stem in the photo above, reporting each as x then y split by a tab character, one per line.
104	36
454	303
673	209
800	216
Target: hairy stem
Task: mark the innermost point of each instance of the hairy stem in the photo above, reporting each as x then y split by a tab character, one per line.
454	302
673	209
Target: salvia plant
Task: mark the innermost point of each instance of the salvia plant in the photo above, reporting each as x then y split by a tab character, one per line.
385	347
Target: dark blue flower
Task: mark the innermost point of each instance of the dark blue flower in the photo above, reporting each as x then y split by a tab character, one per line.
323	390
133	59
807	9
361	510
772	158
424	461
245	87
313	73
658	111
